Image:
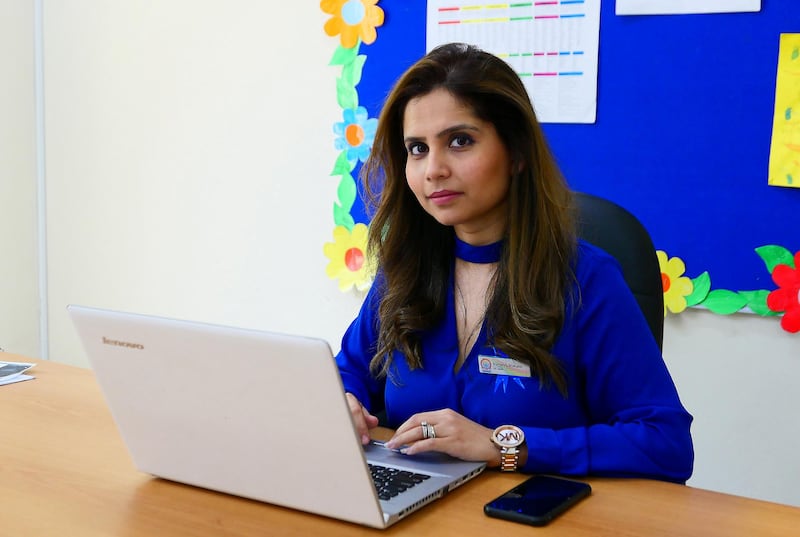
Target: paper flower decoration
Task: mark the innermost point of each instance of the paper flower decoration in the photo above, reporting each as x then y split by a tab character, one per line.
348	259
786	298
352	19
676	286
356	133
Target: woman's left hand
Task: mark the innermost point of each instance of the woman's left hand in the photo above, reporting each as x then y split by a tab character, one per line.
454	434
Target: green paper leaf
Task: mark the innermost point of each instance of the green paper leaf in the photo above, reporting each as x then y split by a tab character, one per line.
357	67
346	94
724	302
347	76
342	217
757	301
343	165
347	191
351	73
774	255
343	56
702	285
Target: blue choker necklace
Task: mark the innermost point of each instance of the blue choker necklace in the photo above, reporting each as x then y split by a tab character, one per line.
489	253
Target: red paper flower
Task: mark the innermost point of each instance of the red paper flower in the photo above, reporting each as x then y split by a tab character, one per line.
786	299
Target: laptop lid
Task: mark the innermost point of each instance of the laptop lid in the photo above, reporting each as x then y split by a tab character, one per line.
245	412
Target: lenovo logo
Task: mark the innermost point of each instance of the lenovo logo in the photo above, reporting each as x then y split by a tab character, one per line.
118	343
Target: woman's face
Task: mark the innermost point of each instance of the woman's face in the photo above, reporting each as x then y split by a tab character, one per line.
457	166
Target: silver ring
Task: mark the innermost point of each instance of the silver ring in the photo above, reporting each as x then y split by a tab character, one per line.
427	430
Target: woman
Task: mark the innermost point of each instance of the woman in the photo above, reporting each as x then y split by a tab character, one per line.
492	333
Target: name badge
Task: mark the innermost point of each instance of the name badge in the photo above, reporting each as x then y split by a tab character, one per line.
495	365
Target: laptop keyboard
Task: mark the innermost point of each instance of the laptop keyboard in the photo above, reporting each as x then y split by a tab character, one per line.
389	482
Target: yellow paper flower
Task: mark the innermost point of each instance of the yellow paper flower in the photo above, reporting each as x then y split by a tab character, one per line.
352	19
348	259
676	286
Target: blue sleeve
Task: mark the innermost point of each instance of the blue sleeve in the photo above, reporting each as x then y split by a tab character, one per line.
358	347
637	425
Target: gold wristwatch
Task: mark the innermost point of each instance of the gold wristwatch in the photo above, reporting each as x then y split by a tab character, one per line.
508	438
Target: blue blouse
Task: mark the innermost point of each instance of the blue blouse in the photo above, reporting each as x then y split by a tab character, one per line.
621	417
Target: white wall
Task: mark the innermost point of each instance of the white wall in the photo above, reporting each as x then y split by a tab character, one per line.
19	297
739	376
188	150
189	147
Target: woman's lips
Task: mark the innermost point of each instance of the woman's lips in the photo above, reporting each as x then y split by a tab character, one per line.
443	197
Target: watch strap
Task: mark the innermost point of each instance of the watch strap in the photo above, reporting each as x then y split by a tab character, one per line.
509	459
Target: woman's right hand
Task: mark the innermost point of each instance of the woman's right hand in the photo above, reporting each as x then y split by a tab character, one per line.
363	420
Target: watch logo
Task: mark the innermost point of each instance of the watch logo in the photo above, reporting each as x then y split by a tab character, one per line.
119	343
508	436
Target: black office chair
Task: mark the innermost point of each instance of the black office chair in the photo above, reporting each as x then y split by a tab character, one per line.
614	229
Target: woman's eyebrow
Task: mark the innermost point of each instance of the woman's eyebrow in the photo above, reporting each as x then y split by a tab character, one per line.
445	132
456	128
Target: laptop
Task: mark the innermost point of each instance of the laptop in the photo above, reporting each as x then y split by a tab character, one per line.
250	413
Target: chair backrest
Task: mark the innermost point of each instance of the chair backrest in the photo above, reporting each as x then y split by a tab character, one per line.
614	229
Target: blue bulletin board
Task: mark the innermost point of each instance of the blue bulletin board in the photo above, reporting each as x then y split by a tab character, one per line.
682	137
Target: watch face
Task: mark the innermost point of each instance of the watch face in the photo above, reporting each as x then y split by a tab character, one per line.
508	436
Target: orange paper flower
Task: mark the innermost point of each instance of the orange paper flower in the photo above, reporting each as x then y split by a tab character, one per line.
352	19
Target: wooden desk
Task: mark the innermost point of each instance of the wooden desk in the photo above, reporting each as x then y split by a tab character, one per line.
65	471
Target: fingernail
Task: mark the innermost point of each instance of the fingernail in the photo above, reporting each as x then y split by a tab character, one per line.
365	439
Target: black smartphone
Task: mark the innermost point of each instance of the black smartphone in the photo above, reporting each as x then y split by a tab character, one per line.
538	500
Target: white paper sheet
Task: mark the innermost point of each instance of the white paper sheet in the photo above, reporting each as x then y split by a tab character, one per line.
15	378
668	7
11	372
551	44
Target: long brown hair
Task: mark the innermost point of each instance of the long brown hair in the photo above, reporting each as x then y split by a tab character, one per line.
414	252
